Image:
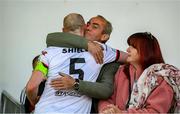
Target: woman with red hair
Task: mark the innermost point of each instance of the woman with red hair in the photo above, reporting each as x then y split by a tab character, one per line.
146	84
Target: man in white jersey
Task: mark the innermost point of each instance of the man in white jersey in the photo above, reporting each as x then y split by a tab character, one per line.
98	29
66	60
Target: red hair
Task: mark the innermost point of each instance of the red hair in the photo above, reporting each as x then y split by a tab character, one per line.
148	48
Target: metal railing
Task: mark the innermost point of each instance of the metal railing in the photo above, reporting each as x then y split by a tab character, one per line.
9	104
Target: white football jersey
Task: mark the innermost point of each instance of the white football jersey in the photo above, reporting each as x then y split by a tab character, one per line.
78	63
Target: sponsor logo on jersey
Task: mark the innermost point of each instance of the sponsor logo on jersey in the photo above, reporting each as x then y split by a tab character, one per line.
68	93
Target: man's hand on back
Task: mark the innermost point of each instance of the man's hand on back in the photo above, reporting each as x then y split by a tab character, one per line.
64	81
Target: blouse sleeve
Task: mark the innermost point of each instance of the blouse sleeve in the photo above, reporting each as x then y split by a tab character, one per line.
159	101
103	103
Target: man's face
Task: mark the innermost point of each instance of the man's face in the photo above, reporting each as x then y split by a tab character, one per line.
94	29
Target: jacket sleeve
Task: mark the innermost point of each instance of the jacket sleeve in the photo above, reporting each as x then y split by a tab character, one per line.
103	88
59	39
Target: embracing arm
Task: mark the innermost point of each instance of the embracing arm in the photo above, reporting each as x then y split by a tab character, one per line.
38	75
103	88
60	39
32	86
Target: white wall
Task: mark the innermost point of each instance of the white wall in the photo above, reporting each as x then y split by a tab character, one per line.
25	24
1	50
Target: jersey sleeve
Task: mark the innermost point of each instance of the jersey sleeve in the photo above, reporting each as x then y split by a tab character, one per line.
42	68
45	57
43	62
110	54
114	55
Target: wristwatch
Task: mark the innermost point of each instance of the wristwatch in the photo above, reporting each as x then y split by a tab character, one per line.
76	84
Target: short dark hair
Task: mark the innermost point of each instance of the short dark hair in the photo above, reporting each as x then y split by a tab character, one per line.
108	26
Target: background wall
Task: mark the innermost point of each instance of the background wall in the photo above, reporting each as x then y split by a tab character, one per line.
24	25
1	50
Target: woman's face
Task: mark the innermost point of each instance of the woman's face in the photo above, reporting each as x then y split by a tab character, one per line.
133	55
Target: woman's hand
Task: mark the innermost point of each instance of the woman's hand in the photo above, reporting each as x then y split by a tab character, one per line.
111	109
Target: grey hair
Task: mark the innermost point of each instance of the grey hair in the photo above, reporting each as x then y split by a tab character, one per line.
108	27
